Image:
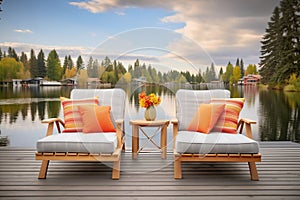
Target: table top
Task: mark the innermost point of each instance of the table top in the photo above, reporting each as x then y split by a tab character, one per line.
142	122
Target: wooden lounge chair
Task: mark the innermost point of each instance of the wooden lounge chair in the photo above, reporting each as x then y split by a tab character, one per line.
193	146
78	146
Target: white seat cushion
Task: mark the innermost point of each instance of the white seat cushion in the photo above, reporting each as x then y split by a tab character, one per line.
200	143
79	143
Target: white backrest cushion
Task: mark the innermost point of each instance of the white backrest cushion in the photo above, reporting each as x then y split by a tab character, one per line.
188	101
107	97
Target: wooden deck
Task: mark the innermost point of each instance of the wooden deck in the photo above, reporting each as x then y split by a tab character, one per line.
150	177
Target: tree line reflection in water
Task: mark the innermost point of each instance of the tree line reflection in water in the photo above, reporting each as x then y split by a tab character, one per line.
278	112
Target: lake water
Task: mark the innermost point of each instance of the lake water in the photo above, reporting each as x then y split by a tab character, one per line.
23	108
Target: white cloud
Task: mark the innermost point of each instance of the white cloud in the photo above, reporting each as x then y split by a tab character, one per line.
96	6
120	13
23	30
231	27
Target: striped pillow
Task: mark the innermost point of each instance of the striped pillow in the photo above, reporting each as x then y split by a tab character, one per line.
72	116
228	121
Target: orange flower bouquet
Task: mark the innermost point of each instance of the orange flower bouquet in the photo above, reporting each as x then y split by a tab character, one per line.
146	101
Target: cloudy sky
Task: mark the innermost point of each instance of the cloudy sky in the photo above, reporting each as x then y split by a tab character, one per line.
169	33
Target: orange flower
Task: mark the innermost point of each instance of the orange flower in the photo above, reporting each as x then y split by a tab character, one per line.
150	100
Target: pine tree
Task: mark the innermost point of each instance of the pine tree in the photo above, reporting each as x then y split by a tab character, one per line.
95	68
237	63
242	68
227	76
212	72
34	71
1	56
12	54
41	64
65	65
79	64
90	67
270	47
290	44
54	71
24	60
221	74
70	63
280	48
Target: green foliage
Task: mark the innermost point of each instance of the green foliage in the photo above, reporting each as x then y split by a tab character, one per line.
11	69
242	68
34	71
280	48
236	75
26	64
83	76
226	77
12	54
79	63
42	71
55	70
65	65
68	64
221	74
251	69
1	54
210	74
293	83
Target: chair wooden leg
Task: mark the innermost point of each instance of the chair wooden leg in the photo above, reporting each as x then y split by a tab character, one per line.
44	169
123	147
116	170
177	169
253	171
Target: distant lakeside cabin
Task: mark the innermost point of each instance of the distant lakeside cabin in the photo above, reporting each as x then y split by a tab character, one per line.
250	79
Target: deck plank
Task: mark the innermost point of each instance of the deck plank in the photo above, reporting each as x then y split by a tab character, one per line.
150	177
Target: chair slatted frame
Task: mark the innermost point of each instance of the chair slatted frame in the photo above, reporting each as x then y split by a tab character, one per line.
188	157
73	156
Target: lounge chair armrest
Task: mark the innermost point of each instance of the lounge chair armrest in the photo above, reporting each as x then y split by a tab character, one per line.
174	121
247	123
175	130
175	127
51	122
119	121
120	132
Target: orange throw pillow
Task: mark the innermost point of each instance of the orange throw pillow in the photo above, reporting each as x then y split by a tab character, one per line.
96	119
206	117
228	121
72	117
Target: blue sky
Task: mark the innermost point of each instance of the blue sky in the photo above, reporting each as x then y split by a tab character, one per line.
195	32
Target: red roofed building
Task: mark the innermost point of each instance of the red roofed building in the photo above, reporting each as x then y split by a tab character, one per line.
250	79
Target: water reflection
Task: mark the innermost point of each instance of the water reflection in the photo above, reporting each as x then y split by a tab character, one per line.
22	109
30	101
279	115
